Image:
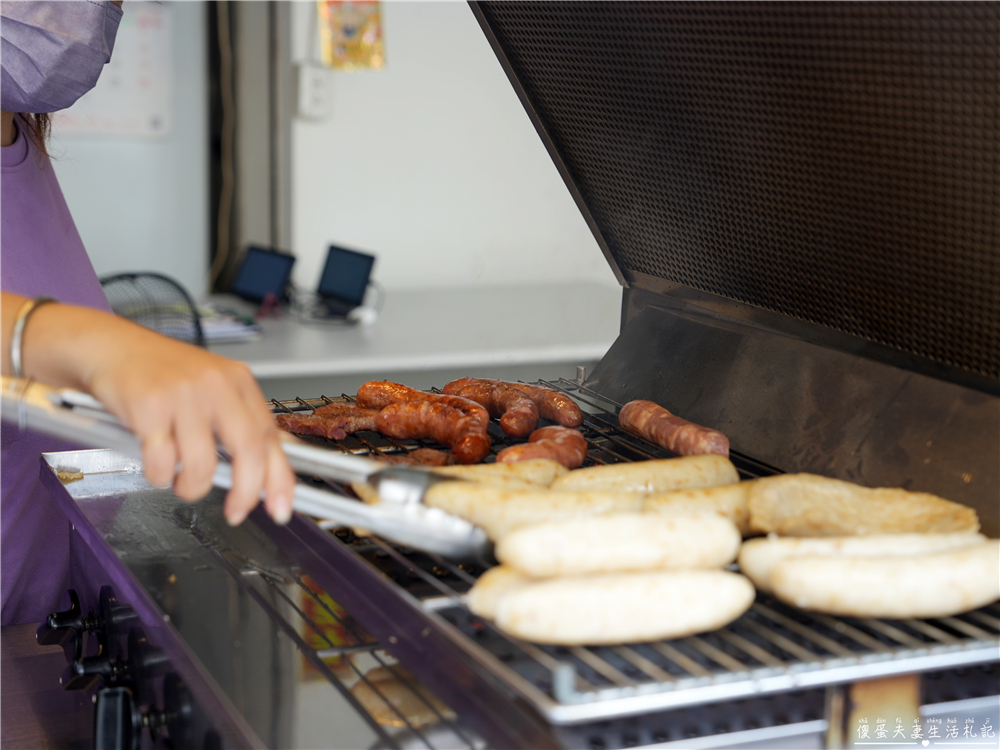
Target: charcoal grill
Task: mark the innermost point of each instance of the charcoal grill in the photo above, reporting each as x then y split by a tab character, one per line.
800	201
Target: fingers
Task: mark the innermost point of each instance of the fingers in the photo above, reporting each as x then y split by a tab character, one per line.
196	446
159	457
280	484
182	402
259	463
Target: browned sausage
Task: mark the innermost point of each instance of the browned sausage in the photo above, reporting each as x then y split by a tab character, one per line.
651	421
418	457
352	418
332	421
444	424
308	424
377	394
517	413
553	405
561	444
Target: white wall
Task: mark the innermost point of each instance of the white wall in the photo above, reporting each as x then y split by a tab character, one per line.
432	165
141	204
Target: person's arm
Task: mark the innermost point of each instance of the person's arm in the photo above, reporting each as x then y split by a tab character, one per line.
177	398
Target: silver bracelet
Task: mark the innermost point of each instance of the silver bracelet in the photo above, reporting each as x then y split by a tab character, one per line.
20	322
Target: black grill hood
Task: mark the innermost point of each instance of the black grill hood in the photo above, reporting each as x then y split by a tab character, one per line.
801	203
836	163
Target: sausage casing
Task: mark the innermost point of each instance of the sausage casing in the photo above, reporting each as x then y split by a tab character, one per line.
377	394
557	443
553	405
651	421
517	413
444	424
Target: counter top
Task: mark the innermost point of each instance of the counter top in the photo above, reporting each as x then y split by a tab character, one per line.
434	329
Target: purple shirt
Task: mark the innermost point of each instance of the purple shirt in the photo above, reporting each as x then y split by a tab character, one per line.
40	253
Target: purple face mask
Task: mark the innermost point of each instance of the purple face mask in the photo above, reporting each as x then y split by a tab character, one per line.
53	52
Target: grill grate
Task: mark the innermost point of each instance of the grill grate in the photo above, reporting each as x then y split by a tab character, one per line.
607	443
772	649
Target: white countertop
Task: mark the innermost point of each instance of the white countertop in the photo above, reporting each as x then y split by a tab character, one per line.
444	328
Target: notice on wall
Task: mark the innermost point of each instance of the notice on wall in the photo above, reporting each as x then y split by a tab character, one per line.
135	93
351	33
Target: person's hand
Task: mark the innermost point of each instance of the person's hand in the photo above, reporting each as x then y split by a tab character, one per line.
179	400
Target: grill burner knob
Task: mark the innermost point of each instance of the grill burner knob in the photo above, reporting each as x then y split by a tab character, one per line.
144	663
82	673
114	616
117	721
66	629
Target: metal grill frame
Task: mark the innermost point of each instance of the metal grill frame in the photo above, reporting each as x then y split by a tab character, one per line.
699	671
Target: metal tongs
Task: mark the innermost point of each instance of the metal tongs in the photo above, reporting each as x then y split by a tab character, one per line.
401	517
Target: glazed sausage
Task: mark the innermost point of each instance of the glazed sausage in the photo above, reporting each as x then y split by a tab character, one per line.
557	443
553	405
440	422
652	422
377	394
517	413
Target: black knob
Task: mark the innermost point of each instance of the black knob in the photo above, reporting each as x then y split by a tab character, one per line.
82	673
117	721
145	662
114	616
66	628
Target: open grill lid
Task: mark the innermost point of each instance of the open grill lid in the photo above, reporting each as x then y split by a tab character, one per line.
801	201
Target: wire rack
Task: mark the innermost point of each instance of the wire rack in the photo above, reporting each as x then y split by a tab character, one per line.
334	654
771	649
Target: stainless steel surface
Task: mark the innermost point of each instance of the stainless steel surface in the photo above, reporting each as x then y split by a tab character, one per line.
277	650
800	406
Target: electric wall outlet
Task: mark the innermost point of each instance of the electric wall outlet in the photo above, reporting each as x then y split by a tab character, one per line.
314	91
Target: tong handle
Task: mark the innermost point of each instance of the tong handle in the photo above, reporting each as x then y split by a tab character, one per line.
82	419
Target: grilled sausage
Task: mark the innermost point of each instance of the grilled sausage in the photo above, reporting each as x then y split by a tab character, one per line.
352	417
419	457
310	424
561	444
553	405
332	421
517	413
377	394
652	422
463	433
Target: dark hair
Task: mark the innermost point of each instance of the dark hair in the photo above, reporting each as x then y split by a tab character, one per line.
39	127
